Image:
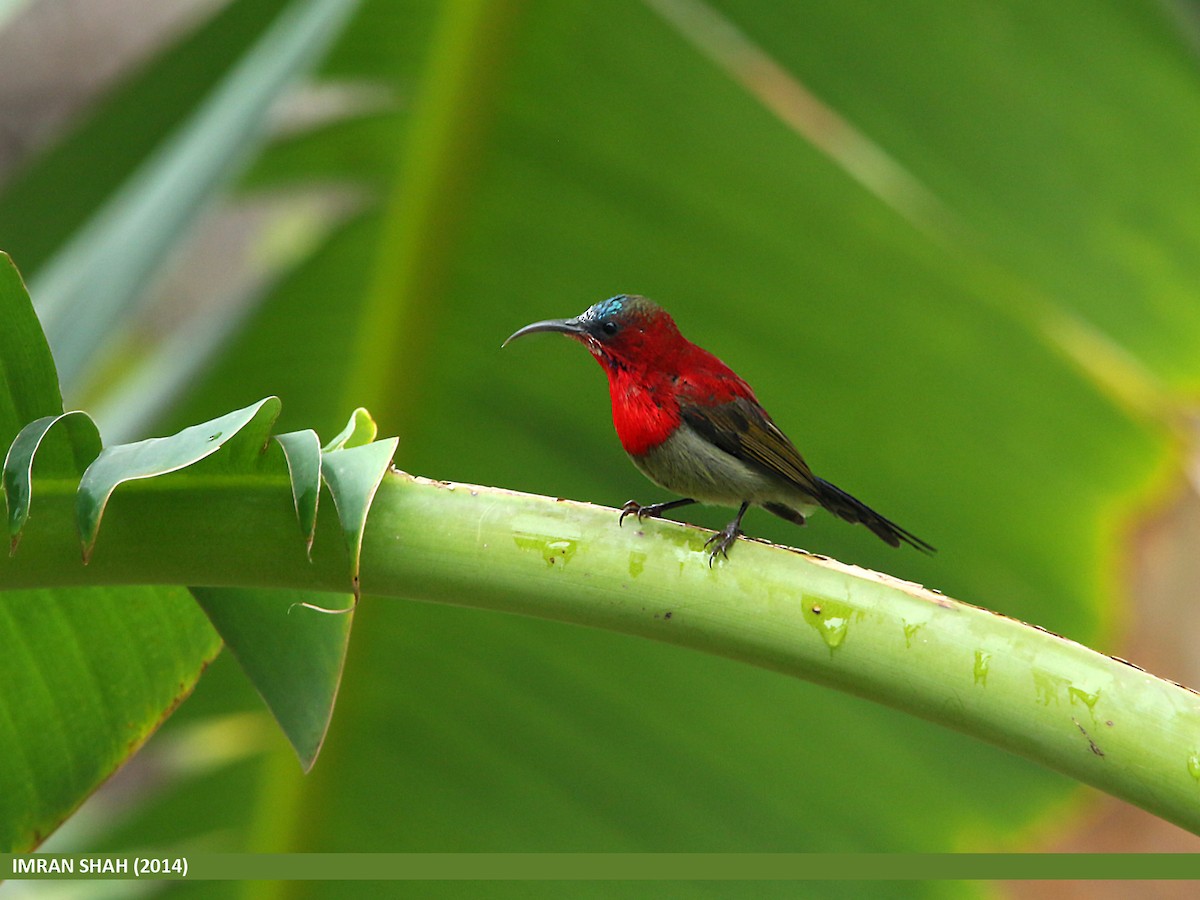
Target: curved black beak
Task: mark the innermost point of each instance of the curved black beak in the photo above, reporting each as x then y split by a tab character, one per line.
562	326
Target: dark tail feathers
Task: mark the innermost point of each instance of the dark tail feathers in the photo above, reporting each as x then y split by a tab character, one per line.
852	509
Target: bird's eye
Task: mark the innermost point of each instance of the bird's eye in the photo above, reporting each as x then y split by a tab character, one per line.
609	328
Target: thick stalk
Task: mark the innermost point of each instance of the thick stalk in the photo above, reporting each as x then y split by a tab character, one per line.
1099	720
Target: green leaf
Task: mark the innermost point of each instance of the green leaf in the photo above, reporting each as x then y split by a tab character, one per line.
360	430
292	655
29	389
353	476
28	380
68	452
295	661
157	456
87	674
85	678
303	452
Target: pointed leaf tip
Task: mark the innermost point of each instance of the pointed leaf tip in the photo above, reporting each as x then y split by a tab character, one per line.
295	662
61	453
359	431
353	476
302	450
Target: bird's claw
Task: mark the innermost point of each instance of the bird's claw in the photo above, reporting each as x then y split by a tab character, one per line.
631	508
723	540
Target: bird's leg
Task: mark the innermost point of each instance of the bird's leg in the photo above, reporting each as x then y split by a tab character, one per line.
653	511
724	538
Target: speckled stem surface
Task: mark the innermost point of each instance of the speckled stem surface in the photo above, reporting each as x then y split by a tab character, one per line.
1098	719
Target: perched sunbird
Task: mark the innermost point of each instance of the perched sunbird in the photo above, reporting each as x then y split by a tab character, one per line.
695	428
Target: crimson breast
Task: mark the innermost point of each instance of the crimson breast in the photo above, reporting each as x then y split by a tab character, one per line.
645	414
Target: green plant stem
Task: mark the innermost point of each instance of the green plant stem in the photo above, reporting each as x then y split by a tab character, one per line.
1099	720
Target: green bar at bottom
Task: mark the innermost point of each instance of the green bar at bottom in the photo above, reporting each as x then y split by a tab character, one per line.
606	866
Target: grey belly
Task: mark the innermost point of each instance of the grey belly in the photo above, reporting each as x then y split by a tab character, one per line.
687	464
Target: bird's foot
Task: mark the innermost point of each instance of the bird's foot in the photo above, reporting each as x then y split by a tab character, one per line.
633	508
653	511
722	541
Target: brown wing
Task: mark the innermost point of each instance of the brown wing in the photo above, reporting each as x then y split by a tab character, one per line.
744	431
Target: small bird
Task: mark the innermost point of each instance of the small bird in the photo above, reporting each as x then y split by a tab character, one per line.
692	426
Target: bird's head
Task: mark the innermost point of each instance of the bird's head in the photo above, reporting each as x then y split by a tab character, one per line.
625	331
